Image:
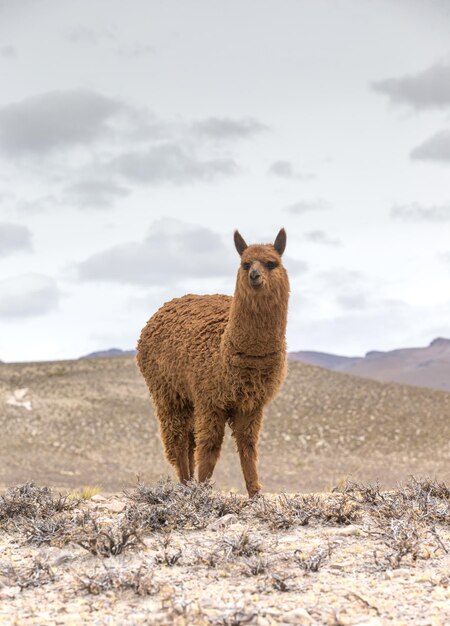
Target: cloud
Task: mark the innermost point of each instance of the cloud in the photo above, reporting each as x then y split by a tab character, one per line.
38	204
429	89
135	50
350	289
285	169
225	128
436	148
170	163
28	295
319	236
80	34
95	193
55	120
8	52
306	206
444	257
172	251
13	238
417	213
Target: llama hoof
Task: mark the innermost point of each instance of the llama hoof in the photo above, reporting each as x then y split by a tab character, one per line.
254	494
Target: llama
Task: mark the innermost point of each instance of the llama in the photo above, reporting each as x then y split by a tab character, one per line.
215	359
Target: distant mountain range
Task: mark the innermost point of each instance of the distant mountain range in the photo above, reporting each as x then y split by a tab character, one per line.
424	367
110	352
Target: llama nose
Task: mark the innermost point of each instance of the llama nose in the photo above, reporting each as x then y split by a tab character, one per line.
254	274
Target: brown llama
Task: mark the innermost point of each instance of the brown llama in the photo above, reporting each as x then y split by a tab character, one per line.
212	360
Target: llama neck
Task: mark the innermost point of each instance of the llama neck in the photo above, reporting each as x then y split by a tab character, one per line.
257	325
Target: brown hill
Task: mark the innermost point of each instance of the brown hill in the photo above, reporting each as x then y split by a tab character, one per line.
90	421
424	367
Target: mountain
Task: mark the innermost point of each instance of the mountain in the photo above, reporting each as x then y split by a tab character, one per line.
425	367
107	353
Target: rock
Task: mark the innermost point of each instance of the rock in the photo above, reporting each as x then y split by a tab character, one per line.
114	506
223	522
297	616
346	531
237	527
98	498
397	573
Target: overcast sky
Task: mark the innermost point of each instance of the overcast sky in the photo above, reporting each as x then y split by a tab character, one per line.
136	136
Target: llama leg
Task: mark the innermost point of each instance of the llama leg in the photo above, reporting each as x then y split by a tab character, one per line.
210	428
191	454
174	429
246	432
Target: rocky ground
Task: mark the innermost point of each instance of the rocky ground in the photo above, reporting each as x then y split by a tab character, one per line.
190	555
90	422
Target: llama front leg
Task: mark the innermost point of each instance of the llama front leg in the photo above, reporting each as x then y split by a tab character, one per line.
246	433
209	432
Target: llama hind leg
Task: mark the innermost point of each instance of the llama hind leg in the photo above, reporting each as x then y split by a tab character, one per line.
209	432
174	428
246	433
191	454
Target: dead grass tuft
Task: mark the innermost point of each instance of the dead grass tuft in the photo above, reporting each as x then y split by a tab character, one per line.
170	505
140	581
29	501
37	574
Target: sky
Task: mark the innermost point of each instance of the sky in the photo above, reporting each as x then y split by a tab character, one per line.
136	137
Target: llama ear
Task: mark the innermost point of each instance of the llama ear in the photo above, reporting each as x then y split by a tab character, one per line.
239	242
280	242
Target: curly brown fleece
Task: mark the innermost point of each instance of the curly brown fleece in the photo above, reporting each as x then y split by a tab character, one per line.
212	360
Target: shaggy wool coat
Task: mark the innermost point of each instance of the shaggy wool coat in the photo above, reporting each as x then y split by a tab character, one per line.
212	360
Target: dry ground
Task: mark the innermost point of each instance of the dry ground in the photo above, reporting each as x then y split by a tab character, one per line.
190	556
91	422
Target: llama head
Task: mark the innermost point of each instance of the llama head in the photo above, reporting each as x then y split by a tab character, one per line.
261	269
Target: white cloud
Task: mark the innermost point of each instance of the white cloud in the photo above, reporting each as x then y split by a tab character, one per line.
225	128
415	212
94	193
319	236
14	237
306	206
429	89
8	52
286	170
170	252
28	295
55	120
436	148
170	163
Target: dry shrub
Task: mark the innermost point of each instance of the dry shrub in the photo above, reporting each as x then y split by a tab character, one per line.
28	502
141	581
106	539
170	505
244	544
313	561
36	575
286	511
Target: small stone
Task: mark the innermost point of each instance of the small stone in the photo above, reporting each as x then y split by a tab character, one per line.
297	616
98	498
346	531
115	506
223	522
237	528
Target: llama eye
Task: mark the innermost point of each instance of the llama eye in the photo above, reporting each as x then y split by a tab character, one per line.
246	266
271	265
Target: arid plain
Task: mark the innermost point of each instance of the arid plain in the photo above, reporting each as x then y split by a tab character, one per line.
91	423
334	548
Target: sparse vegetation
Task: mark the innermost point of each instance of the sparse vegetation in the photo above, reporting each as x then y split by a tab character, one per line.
204	558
